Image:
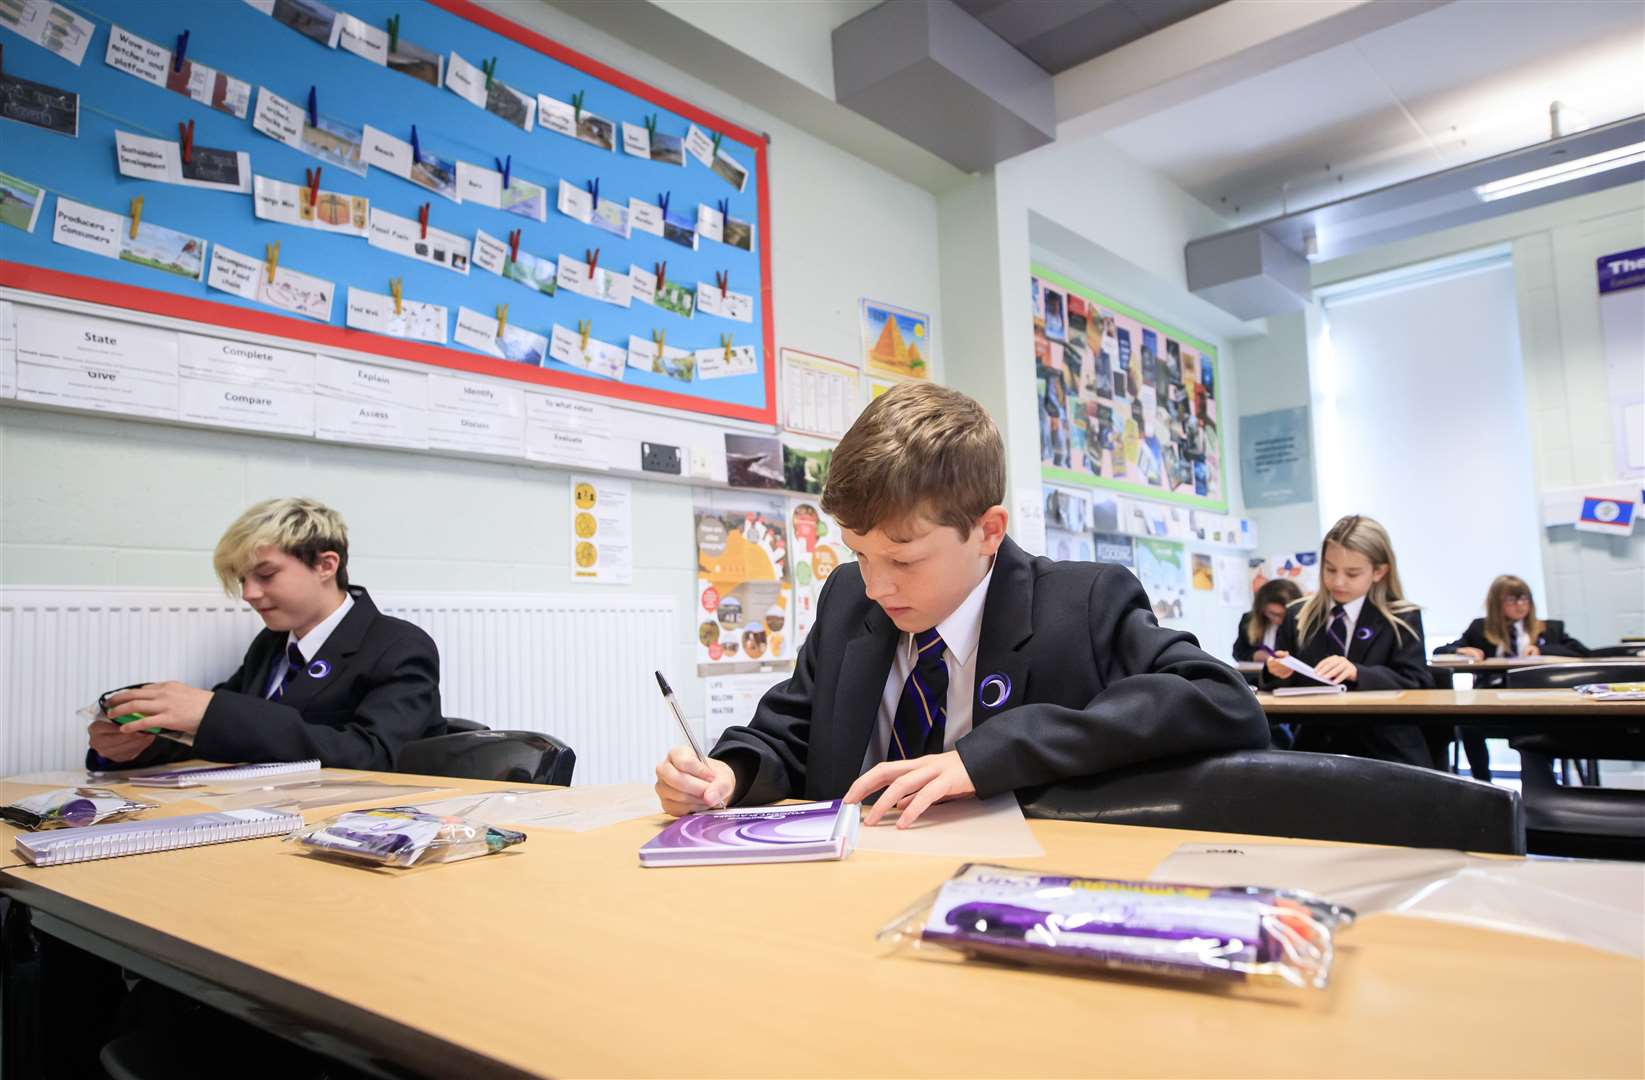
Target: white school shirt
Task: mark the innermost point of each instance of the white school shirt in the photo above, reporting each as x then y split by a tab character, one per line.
1519	632
1269	636
309	645
960	632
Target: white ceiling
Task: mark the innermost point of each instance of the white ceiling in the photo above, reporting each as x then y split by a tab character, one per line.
1467	80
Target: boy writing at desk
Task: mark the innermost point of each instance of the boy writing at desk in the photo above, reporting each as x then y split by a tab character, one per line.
945	661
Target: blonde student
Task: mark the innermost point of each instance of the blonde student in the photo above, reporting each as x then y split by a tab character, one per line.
1511	627
1259	627
329	676
946	661
1358	630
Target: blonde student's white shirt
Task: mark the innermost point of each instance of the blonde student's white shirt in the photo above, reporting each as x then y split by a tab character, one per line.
1519	635
961	633
1269	637
1351	610
309	644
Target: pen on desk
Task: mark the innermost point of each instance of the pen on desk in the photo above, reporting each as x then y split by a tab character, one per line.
685	729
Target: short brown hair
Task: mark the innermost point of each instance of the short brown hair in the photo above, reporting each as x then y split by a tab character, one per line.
918	449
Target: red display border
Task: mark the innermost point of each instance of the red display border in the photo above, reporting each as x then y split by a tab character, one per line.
38	279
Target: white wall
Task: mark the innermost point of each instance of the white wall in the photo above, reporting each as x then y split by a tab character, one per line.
100	500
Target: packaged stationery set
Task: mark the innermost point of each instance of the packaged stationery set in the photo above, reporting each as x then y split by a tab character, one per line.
804	832
1236	934
403	836
69	808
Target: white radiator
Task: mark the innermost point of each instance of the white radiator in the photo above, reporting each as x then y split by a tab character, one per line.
575	667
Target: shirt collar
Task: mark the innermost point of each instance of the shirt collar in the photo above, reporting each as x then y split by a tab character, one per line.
1353	608
962	630
310	644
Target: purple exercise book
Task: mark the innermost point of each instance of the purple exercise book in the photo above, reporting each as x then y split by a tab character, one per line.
805	832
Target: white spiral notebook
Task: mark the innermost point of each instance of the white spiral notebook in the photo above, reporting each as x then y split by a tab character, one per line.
201	775
161	834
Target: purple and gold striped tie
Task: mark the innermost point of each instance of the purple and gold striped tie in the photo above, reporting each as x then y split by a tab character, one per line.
922	711
1338	630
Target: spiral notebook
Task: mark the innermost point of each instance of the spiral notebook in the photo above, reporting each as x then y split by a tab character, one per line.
201	775
162	834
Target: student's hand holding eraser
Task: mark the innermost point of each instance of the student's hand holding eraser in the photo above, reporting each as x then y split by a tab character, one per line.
686	785
912	786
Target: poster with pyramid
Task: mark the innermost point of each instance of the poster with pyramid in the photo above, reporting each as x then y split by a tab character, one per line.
896	341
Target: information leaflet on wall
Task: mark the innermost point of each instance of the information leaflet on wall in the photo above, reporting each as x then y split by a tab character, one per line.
479	417
820	396
731	699
8	349
363	403
88	363
567	431
602	531
241	385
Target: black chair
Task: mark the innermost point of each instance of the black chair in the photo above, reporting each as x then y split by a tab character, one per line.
511	756
1581	821
1289	793
1618	650
457	723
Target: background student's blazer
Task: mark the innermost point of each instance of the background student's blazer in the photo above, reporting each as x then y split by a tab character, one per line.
373	687
1244	651
1074	677
1553	641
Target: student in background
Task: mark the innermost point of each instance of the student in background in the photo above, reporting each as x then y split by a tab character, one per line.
946	661
1358	630
1259	627
330	677
1511	627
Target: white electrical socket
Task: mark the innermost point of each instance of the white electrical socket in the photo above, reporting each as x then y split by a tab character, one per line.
702	467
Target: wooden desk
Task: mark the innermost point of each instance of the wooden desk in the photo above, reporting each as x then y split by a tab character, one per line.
564	957
1503	663
1462	706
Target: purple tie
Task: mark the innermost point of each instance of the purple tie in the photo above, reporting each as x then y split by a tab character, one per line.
922	711
294	664
1339	629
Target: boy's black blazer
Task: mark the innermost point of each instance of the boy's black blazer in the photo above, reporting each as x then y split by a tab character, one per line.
381	692
1553	641
1244	651
1384	661
1094	684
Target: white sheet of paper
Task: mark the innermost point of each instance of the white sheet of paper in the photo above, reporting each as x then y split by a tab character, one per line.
383	151
275	200
642	284
143	158
965	829
714	364
466	81
474	416
602	531
296	292
567	431
710	223
556	116
644	217
240	385
576	809
490	253
1302	667
137	56
642	355
8	349
279	119
476	183
416	321
364	403
362	39
1596	903
575	203
91	363
52	27
739	307
86	228
403	236
572	275
234	273
477	331
820	396
699	146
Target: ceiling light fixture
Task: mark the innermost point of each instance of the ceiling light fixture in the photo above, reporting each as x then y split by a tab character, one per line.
1565	171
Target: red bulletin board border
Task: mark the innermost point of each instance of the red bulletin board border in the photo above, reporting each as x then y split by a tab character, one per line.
95	290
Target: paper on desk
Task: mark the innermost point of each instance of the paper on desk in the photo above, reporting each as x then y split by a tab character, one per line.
577	809
965	828
55	778
1595	903
1304	668
300	795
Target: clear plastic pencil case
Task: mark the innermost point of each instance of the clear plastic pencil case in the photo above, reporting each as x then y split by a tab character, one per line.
67	808
403	836
1239	934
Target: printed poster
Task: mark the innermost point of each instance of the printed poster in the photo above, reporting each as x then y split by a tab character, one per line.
742	583
895	341
602	526
1125	402
1162	567
818	549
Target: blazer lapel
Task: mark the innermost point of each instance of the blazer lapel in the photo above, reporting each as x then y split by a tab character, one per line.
269	645
343	642
866	663
1007	623
1370	627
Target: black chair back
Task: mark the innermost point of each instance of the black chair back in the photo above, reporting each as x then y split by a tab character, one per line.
510	756
1289	793
1618	650
457	723
1576	673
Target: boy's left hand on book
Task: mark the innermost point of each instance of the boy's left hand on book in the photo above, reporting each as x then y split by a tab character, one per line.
912	786
174	706
1337	669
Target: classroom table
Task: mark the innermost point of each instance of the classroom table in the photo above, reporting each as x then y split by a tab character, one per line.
1459	706
564	957
1450	662
11	790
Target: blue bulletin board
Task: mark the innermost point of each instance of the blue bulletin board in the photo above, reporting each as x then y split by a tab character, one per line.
241	40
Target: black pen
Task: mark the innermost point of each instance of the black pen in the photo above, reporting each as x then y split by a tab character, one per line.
674	706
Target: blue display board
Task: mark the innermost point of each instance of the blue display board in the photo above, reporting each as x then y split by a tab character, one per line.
243	42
